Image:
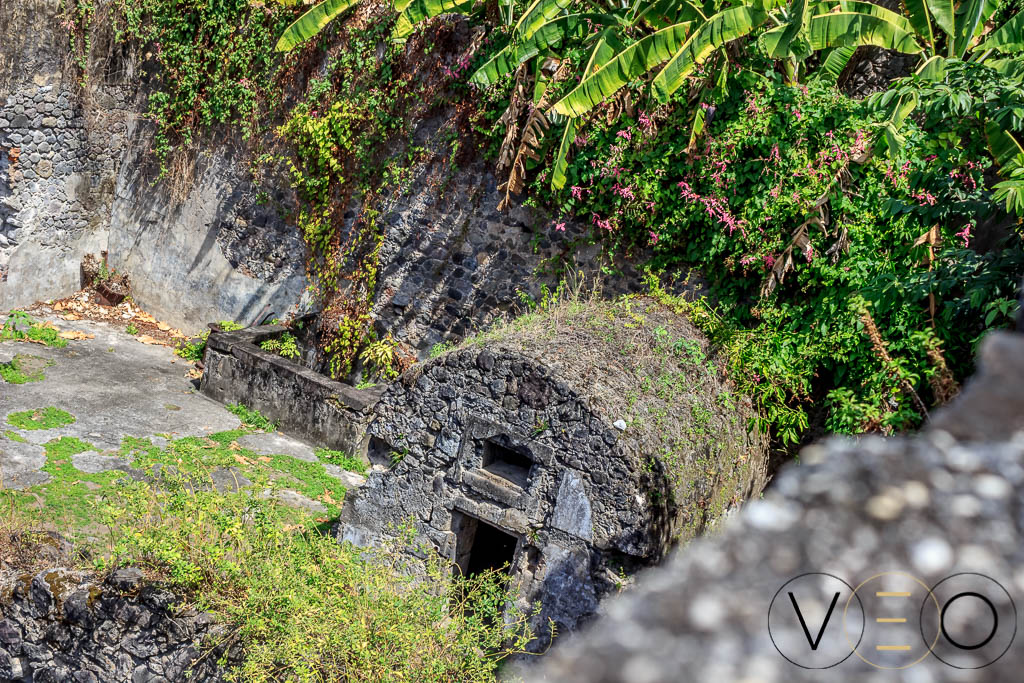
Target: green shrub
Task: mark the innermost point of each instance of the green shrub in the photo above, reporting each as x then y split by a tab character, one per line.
305	607
808	243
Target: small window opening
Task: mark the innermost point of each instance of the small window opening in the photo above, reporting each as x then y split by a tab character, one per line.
480	547
378	452
507	464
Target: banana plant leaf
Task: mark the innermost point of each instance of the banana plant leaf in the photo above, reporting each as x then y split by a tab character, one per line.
1008	38
626	66
971	14
550	35
537	14
716	32
419	10
920	17
838	29
834	63
944	16
311	23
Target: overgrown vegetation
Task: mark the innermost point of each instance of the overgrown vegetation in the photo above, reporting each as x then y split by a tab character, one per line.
341	459
855	251
306	607
193	349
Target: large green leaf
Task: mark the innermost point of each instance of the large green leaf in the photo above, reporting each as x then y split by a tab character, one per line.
920	18
311	23
664	13
933	69
504	61
562	156
838	29
1009	38
537	14
834	63
550	35
877	11
1011	68
716	32
971	15
1003	145
627	65
779	41
419	10
944	15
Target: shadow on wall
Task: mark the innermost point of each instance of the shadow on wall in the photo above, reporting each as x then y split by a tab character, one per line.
216	254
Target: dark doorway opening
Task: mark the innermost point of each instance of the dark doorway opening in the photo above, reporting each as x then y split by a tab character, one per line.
507	463
480	547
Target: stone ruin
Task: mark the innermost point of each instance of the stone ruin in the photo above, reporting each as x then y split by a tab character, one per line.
939	515
573	450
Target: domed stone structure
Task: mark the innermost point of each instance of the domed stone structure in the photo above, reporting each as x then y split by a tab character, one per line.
574	446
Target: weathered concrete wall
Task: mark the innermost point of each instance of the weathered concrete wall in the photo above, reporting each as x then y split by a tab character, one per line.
62	625
304	403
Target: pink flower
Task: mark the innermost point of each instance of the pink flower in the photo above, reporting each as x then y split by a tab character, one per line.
746	260
577	192
966	233
644	121
624	134
560	227
654	237
769	260
624	192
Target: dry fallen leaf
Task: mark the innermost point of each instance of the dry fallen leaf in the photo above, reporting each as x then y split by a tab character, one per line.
70	316
163	326
152	341
263	458
76	335
243	461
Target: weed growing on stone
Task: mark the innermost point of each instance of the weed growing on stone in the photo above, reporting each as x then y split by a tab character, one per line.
286	346
40	418
23	368
14	436
131	329
341	459
252	418
20	326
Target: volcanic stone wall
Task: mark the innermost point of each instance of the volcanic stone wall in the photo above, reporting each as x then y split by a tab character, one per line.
62	625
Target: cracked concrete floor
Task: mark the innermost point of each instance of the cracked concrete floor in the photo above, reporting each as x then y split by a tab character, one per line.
115	386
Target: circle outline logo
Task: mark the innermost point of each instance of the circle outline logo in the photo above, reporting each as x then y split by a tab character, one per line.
853	593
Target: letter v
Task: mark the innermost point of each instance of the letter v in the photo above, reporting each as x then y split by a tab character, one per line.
803	624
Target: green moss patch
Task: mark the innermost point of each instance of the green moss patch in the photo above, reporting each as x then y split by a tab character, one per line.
15	436
24	368
40	418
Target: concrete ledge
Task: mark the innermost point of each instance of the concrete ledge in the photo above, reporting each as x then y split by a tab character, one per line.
304	403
